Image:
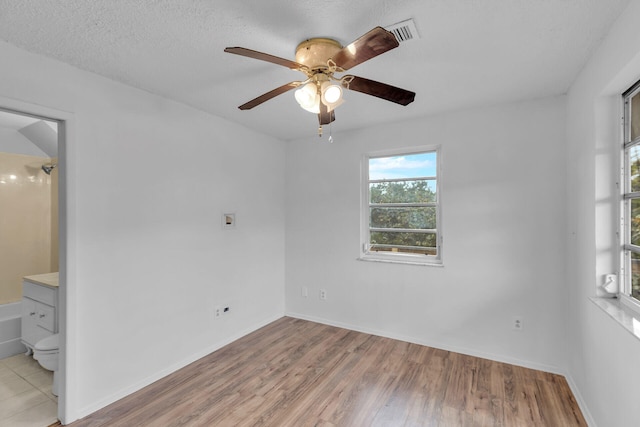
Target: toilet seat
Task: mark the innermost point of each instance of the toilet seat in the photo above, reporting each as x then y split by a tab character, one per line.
50	343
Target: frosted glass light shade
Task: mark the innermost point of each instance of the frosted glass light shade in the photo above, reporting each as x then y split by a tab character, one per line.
315	108
332	94
307	96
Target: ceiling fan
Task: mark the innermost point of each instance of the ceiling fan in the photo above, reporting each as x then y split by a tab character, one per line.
319	59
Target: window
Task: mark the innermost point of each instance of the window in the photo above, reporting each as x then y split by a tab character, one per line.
401	208
631	194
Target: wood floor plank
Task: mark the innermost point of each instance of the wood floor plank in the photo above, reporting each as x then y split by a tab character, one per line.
303	374
347	396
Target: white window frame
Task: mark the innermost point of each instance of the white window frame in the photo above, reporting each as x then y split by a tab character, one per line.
399	257
624	292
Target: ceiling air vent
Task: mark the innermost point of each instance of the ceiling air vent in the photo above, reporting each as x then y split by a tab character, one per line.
404	31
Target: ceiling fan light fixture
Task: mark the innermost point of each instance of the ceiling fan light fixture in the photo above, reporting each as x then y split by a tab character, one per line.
331	93
319	59
307	97
314	108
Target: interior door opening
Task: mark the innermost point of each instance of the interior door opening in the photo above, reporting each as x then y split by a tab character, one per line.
32	252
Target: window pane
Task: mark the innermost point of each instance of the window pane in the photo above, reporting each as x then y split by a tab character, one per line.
403	166
402	239
634	222
634	167
398	183
412	218
423	191
635	116
635	275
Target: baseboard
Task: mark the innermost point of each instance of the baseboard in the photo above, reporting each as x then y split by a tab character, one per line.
462	350
87	410
580	400
11	348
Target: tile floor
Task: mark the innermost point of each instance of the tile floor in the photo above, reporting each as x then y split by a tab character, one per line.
25	393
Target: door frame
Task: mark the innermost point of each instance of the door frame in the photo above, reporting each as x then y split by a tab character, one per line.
66	247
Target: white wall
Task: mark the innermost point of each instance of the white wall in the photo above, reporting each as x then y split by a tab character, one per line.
503	191
603	356
149	181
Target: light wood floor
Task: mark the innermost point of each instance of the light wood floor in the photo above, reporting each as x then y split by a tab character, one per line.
299	373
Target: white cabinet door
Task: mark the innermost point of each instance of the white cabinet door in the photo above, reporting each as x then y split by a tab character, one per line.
31	331
39	318
46	317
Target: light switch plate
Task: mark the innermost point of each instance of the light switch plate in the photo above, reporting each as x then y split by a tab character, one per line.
228	220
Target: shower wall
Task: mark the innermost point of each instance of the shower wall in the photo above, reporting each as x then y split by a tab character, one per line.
28	222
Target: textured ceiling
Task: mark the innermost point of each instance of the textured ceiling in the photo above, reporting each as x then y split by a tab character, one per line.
470	52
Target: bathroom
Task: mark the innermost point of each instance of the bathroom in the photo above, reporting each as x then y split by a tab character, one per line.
28	231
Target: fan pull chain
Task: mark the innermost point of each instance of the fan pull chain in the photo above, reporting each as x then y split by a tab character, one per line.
319	131
330	133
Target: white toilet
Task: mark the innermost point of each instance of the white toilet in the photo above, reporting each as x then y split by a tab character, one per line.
46	352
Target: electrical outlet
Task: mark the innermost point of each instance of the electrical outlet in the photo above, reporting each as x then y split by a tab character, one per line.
323	294
217	311
304	291
517	323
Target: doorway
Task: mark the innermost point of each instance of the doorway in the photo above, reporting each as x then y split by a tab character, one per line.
37	139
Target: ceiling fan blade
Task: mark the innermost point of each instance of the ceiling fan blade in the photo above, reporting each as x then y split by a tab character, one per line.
325	116
380	90
267	96
265	57
370	45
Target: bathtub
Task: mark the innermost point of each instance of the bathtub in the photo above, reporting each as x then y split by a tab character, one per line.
11	330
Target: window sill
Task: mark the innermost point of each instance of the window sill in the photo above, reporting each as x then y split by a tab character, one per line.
407	261
621	314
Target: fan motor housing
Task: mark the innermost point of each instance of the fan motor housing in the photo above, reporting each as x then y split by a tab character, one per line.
314	53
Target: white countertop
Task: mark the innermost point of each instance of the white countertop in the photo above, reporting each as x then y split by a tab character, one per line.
47	279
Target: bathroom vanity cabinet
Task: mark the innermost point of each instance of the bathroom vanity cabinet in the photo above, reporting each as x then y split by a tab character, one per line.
39	308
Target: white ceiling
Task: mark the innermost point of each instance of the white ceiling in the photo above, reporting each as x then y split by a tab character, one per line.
15	121
38	137
470	52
